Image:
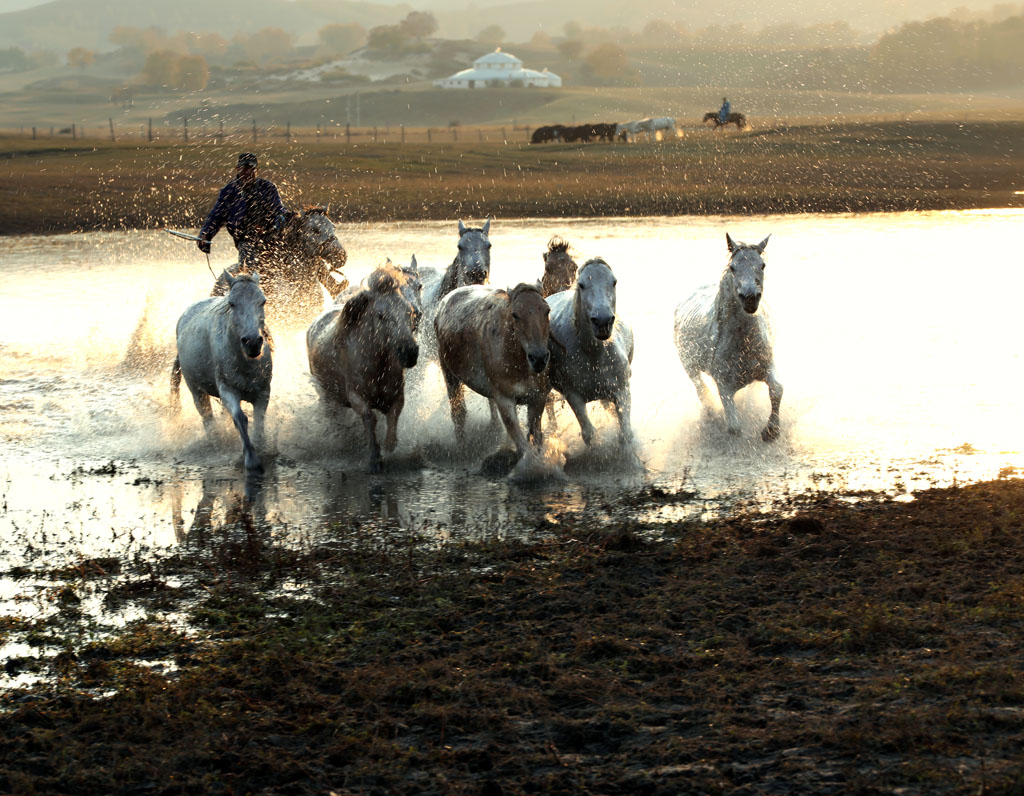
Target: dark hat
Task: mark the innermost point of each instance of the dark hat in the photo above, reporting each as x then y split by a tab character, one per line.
247	159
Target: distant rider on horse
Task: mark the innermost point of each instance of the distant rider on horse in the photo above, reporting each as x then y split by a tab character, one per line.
251	208
723	112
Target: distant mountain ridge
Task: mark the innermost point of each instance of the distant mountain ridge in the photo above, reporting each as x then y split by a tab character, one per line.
62	24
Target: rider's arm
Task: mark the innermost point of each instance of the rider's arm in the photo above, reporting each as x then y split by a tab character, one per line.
218	215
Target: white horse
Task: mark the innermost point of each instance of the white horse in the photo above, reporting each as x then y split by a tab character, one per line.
594	348
224	351
727	333
663	126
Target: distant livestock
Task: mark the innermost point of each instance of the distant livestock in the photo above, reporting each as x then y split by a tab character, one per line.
574	133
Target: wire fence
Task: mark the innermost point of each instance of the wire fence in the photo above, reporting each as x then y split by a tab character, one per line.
191	131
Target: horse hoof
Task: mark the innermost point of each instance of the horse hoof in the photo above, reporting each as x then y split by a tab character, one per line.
770	433
376	467
255	468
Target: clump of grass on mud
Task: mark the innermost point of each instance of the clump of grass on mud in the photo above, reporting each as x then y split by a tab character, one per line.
870	647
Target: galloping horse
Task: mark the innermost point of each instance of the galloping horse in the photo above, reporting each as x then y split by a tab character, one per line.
719	331
471	266
224	351
591	361
496	343
733	118
559	267
310	256
358	353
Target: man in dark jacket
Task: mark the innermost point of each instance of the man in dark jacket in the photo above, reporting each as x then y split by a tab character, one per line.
251	209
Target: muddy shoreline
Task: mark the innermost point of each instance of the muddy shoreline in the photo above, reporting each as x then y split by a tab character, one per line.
825	646
58	187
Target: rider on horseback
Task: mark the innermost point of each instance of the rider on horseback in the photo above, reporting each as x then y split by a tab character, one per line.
723	112
251	208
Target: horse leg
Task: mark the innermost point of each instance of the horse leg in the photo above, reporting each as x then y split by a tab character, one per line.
202	402
579	408
623	405
534	412
234	406
495	420
703	393
456	403
259	417
732	417
364	411
507	410
771	431
391	438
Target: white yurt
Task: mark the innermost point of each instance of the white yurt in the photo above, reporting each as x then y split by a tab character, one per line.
499	69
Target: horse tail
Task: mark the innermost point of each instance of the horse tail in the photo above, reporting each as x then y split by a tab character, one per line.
176	385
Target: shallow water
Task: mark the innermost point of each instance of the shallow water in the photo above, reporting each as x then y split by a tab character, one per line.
897	342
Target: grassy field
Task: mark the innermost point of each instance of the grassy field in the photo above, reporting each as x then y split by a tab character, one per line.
827	647
51	186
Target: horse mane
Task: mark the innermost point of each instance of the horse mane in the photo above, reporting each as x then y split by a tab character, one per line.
382	280
520	289
593	261
558	244
314	210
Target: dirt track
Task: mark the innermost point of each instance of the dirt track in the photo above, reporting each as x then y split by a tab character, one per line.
873	647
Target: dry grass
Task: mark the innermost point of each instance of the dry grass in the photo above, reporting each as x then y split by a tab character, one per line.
49	187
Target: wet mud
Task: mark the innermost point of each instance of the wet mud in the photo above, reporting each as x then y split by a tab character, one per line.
831	644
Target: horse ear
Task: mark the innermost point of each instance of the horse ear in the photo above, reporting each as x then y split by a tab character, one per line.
731	243
228	278
256	277
413	266
487	225
761	245
354	309
462	228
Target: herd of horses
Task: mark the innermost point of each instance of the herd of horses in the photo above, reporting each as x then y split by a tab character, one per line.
651	128
517	346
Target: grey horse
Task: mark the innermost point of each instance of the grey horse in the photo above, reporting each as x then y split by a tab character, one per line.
592	358
224	351
726	332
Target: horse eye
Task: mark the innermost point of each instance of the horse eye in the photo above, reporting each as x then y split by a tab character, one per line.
515	316
487	246
262	303
582	286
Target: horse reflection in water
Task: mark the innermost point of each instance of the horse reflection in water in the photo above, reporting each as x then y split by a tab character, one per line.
359	351
726	332
224	351
496	343
594	348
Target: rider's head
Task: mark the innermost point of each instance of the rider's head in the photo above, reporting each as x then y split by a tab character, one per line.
246	168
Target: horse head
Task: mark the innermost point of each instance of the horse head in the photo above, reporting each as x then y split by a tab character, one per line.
559	267
595	297
746	269
312	234
246	302
530	323
382	312
474	257
410	285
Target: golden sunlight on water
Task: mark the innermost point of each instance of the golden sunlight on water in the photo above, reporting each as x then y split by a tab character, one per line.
897	343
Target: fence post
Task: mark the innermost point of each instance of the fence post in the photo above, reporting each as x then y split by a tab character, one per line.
33	133
455	134
288	132
150	129
220	133
74	132
504	137
184	121
481	133
112	136
254	131
348	133
428	135
51	132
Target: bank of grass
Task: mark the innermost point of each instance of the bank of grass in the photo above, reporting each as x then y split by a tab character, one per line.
869	166
873	647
